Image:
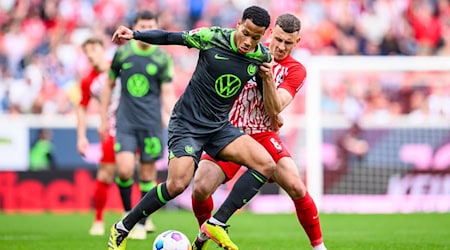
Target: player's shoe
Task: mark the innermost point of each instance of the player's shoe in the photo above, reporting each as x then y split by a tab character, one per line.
138	232
219	235
149	226
199	244
117	239
97	228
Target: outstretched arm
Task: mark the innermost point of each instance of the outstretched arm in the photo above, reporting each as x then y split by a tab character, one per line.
161	37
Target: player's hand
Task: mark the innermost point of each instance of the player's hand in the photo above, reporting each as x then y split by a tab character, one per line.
121	35
82	145
277	122
265	70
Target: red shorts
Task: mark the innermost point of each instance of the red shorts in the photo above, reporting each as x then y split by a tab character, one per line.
108	154
271	142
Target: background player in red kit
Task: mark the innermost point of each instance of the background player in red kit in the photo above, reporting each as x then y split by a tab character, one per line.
91	87
256	114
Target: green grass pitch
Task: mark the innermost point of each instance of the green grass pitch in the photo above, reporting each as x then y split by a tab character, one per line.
249	231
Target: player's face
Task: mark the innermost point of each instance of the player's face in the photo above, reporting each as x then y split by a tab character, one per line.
282	43
95	53
247	36
145	24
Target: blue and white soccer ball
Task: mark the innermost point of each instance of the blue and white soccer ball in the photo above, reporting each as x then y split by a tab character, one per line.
171	240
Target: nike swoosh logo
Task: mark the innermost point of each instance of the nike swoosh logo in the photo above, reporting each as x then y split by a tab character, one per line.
127	65
145	213
315	217
219	57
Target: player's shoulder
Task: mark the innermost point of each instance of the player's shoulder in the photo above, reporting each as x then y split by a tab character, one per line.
86	79
161	53
124	47
293	62
263	53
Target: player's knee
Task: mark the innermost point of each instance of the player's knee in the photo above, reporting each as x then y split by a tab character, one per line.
296	190
201	192
176	186
266	167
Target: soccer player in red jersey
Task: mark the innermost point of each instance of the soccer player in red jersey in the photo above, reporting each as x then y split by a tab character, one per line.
91	87
256	114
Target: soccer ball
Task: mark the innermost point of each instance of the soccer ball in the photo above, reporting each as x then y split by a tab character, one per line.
171	240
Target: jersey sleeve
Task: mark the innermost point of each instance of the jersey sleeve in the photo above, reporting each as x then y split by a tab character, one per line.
85	91
294	79
168	71
116	64
199	38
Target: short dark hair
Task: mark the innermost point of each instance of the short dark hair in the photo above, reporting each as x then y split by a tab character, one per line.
145	15
92	40
257	15
288	23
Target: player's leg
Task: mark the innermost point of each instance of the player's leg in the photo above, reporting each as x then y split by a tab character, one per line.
150	148
287	176
183	151
125	147
104	178
147	181
181	170
243	150
207	179
210	174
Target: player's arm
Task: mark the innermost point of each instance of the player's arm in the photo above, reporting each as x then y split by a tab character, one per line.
160	37
168	101
275	100
105	101
82	141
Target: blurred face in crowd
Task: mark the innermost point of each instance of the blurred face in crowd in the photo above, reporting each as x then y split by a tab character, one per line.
145	24
282	43
95	54
247	36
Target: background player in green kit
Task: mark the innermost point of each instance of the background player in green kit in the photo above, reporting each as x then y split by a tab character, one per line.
228	58
145	72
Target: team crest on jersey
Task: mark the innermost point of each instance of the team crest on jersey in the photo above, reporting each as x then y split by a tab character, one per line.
279	78
251	69
189	149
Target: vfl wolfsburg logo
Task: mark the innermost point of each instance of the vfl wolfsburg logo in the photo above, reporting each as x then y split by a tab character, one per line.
251	69
137	85
227	85
189	149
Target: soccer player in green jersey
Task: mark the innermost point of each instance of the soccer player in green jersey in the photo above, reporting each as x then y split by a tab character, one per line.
228	59
146	96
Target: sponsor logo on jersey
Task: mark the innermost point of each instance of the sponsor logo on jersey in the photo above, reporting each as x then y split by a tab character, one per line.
219	57
227	85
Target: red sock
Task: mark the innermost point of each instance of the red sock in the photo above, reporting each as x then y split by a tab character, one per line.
202	209
100	197
309	218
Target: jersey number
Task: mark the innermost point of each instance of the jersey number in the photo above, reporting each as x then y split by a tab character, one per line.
152	146
276	145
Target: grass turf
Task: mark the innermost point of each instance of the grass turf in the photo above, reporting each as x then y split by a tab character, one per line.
249	231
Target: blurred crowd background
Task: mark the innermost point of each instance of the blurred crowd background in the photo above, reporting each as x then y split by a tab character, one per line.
41	61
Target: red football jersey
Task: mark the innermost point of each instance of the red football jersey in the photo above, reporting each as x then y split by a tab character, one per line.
248	111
